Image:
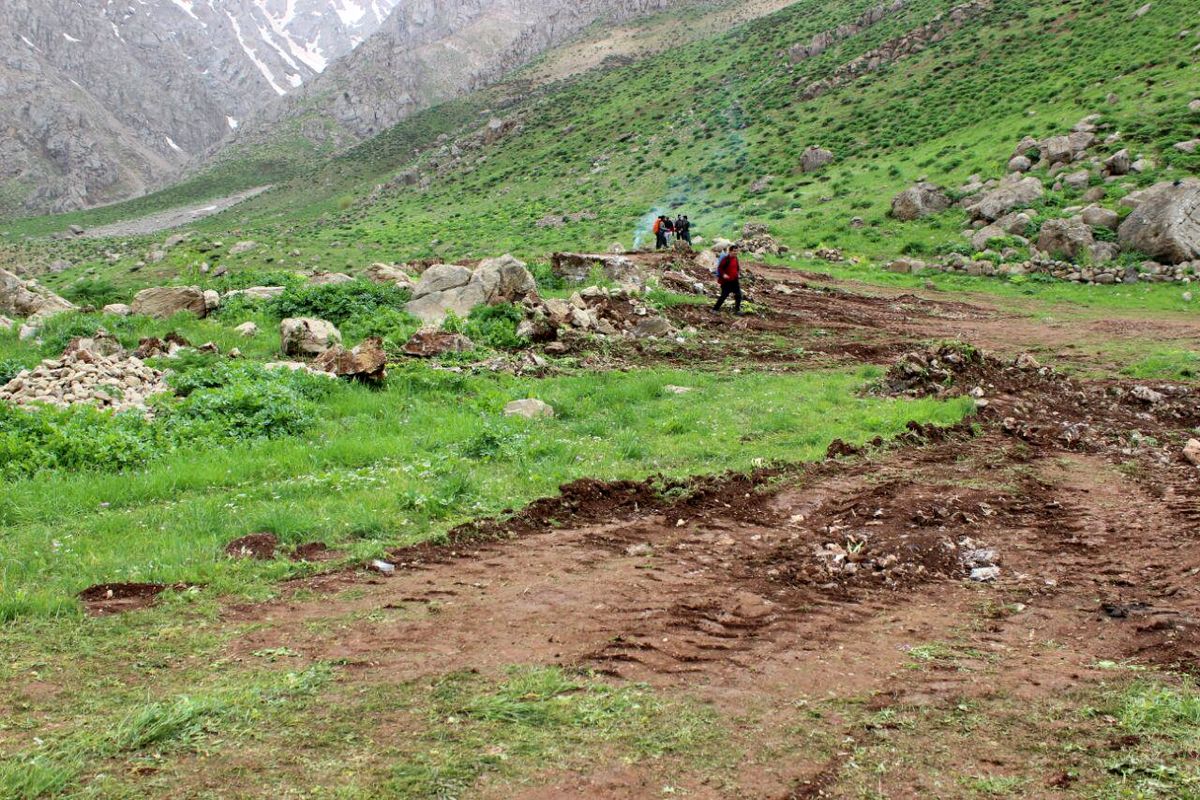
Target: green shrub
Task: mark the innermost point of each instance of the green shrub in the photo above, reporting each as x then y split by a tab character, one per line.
338	302
96	292
494	327
221	402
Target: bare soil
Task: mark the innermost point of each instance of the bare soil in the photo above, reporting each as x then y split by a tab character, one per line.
847	581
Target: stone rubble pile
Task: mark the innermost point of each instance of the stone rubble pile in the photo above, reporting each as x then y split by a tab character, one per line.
116	382
593	310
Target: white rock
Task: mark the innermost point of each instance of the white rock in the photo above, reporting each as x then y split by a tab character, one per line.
529	409
247	329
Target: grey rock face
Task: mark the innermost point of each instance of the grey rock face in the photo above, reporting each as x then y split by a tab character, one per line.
105	100
431	50
1165	224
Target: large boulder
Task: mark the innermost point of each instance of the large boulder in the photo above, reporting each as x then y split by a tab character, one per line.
27	298
1066	238
386	273
1013	192
505	280
918	201
365	362
814	159
1100	217
307	336
256	293
1165	224
440	278
166	301
450	289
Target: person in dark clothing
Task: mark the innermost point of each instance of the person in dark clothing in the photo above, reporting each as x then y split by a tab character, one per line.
729	278
683	229
661	228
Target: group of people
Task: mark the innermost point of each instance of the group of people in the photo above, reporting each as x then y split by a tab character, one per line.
728	270
666	228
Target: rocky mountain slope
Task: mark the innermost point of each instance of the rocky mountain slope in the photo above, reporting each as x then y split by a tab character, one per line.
433	50
101	101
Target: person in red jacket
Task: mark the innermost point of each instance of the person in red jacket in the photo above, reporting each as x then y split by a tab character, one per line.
729	278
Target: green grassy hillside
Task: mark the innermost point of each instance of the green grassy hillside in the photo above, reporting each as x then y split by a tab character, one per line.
694	127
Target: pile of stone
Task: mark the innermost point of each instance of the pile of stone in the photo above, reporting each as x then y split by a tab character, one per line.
116	382
757	239
594	310
1146	272
579	267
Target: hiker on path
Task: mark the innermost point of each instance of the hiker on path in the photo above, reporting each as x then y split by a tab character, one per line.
683	229
729	279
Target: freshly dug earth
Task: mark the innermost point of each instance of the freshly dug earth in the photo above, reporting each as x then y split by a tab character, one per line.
735	590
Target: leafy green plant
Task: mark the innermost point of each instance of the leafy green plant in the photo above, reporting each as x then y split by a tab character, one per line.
338	302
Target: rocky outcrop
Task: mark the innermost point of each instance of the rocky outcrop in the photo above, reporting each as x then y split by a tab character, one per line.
451	289
1165	223
911	43
822	41
428	52
165	301
306	336
921	200
23	298
105	100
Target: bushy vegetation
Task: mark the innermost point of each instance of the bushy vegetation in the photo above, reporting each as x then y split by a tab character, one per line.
222	402
338	302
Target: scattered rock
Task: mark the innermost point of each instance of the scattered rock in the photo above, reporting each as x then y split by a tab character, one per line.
329	278
112	382
921	200
1012	192
677	389
382	567
1066	238
256	293
429	343
1100	217
23	298
166	301
815	158
117	309
1147	395
388	274
242	247
652	327
306	336
1191	451
247	329
529	409
366	362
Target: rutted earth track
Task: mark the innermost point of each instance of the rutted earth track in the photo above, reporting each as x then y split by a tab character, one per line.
800	600
730	606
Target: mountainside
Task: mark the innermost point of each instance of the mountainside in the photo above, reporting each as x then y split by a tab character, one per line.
432	50
103	101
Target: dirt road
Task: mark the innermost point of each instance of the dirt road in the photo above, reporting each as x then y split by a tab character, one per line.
174	218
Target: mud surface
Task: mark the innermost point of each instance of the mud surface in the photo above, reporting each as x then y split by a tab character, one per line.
1055	532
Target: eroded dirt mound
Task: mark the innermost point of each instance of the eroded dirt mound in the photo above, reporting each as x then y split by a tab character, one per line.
114	598
258	546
